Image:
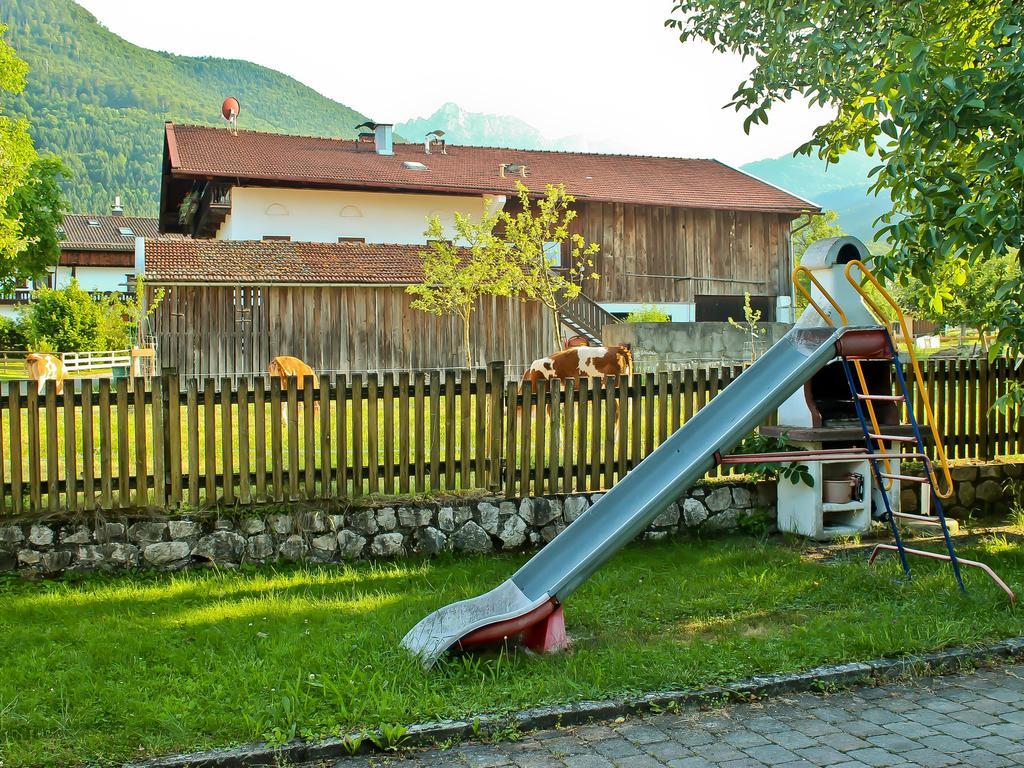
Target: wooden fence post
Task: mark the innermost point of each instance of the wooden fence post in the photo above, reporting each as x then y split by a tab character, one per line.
496	377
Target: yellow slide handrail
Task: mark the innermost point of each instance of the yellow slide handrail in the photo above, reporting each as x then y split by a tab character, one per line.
802	270
908	340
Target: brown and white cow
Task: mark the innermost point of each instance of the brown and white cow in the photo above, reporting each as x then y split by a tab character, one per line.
285	367
44	367
576	341
581	363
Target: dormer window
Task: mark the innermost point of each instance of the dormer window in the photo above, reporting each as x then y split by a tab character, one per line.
126	231
93	223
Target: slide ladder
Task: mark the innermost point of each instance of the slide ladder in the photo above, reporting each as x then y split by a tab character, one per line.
883	448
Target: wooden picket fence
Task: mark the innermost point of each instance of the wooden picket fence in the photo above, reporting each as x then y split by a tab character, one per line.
153	443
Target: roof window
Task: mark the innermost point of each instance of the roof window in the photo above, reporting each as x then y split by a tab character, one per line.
412	165
93	223
126	231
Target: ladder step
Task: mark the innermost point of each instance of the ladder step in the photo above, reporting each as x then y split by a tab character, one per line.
905	478
892	438
886	398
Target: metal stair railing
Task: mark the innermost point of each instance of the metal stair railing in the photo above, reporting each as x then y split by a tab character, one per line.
587	315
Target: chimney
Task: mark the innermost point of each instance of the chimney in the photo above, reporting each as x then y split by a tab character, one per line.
116	209
382	139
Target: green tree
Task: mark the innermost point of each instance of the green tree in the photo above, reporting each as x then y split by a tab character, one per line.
39	206
963	294
63	320
455	277
933	88
16	156
531	233
648	313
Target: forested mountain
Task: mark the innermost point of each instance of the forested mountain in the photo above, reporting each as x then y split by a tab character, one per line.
100	102
842	187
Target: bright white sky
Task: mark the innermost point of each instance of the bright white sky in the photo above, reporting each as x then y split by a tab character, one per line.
605	69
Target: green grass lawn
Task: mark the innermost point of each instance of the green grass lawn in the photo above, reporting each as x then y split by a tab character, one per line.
112	668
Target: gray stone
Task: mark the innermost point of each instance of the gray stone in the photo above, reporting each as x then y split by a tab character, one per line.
221	547
80	534
337	522
184	529
364	521
549	532
670	517
54	562
11	534
294	548
350	544
462	515
386	518
513	532
656	535
542	511
430	541
250	526
446	519
723	521
146	533
314	522
472	538
741	497
698	493
281	524
595	498
964	473
29	557
166	552
489	515
415	517
328	542
990	471
719	499
966	493
388	545
40	535
120	554
259	547
221	524
108	532
88	556
694	513
573	507
556	508
989	491
507	508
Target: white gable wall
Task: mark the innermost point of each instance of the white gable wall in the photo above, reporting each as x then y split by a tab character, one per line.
312	215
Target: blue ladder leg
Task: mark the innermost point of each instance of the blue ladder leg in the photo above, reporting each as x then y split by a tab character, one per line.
921	447
889	516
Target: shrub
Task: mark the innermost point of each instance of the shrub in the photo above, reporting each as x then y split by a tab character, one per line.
12	335
63	320
648	313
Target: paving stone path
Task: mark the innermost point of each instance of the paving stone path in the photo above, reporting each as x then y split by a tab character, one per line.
969	720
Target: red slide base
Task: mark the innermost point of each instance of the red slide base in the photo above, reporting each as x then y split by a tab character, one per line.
548	635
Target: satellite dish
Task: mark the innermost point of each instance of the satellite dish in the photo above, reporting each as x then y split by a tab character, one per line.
229	109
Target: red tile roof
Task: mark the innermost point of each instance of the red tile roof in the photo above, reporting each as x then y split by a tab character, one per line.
79	235
256	261
670	181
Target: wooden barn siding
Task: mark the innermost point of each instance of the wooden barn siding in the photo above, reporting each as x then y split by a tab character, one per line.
225	330
651	240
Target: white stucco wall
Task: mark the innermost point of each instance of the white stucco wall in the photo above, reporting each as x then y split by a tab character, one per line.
95	278
314	215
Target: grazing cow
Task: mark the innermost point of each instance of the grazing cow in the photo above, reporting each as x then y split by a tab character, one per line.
284	367
43	367
581	363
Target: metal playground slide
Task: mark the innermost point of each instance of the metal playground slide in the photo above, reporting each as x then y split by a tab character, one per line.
531	600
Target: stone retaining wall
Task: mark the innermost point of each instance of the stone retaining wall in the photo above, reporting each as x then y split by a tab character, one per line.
305	533
981	490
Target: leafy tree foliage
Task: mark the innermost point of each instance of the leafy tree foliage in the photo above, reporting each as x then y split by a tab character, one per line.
62	320
933	88
16	156
963	294
455	277
100	102
529	232
39	206
12	335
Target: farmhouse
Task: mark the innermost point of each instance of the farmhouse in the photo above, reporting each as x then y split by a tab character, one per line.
689	235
